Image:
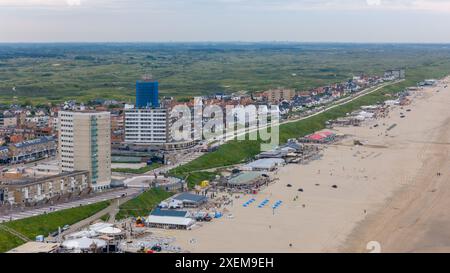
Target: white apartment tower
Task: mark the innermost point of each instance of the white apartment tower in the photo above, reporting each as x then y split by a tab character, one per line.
85	145
146	126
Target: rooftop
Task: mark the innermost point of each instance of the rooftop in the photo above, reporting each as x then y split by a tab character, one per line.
168	220
171	213
37	141
190	197
244	178
266	163
35	247
31	181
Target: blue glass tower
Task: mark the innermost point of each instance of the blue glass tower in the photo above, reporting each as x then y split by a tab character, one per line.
147	94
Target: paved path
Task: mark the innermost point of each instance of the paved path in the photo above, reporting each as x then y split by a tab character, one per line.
99	198
15	233
333	105
188	158
112	210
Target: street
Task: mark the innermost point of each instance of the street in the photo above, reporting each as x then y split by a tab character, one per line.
99	198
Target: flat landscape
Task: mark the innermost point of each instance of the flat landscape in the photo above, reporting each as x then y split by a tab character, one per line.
42	73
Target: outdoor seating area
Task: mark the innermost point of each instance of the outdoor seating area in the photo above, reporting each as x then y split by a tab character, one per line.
324	137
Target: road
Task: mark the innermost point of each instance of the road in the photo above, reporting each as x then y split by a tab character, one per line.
99	198
28	164
335	104
182	161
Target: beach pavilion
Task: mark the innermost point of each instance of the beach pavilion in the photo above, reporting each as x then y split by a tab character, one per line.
169	222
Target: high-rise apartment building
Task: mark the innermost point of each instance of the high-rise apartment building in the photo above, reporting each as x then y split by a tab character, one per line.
146	126
85	145
147	94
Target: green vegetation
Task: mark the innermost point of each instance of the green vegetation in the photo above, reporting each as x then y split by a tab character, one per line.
235	152
45	224
8	241
138	171
105	218
196	178
45	73
143	204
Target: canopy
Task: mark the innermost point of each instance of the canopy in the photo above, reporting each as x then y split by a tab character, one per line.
110	231
83	243
82	234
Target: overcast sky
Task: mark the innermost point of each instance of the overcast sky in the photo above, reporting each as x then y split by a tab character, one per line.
225	20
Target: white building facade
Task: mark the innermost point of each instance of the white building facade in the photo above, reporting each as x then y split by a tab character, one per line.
146	126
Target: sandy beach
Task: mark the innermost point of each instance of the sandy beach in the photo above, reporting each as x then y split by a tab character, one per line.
386	191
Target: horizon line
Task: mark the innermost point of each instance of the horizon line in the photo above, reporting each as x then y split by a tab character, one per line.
227	42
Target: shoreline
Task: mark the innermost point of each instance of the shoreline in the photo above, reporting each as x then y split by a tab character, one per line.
328	219
414	219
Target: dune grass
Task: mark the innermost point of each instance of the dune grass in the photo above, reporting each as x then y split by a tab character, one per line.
142	204
45	224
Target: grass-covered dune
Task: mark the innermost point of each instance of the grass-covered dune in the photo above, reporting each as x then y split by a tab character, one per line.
142	204
45	224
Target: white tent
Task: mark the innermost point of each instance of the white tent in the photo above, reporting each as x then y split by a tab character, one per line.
266	164
82	234
83	243
99	226
169	221
110	231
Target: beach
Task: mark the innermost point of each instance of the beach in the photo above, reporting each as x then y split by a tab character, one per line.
387	190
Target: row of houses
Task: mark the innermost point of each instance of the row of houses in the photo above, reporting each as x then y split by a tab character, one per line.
28	150
29	191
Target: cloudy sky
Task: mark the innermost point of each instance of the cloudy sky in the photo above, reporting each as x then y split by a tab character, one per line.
225	20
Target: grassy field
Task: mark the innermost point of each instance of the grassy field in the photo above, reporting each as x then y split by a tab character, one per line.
235	152
42	73
45	224
143	204
8	241
138	171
